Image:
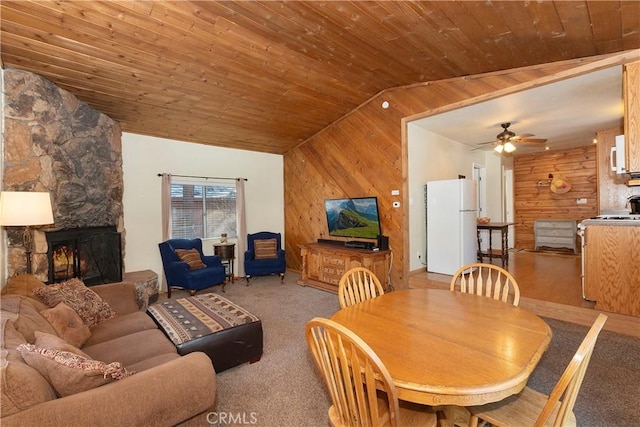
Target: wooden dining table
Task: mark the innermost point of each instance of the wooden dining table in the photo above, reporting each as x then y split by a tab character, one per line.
450	348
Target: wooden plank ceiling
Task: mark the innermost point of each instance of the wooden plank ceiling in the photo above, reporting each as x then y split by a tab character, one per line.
266	76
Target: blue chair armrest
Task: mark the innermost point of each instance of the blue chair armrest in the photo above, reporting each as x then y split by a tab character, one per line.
212	260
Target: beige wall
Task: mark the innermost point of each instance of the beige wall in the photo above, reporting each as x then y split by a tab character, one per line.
144	157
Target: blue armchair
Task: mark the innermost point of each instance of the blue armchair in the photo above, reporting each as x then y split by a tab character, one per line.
179	274
264	255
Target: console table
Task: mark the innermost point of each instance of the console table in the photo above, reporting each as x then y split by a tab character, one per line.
323	265
503	253
227	254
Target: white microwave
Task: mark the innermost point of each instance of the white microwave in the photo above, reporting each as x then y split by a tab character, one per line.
617	160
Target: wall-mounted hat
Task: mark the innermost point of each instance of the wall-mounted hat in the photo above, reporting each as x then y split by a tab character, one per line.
559	186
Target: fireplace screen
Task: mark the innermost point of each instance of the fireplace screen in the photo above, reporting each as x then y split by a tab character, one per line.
92	254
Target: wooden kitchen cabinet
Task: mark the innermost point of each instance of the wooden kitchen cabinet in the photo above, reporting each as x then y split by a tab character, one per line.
631	82
612	267
323	265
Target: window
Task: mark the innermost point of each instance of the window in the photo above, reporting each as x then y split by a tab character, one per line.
203	210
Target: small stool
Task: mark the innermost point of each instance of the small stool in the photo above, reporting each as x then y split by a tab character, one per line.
209	323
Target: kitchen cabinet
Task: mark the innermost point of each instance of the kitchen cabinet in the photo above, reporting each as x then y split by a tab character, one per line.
631	83
323	265
612	266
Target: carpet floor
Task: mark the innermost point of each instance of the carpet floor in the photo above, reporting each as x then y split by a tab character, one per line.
284	388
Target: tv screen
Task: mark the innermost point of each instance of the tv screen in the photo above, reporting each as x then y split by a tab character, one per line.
356	217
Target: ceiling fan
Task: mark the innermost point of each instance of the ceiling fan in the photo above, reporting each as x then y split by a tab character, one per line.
505	140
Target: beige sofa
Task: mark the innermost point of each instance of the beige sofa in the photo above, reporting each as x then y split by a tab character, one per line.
166	389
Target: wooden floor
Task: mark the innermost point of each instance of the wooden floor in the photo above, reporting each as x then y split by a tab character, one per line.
550	286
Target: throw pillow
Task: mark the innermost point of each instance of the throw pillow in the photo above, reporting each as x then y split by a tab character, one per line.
266	248
53	342
85	302
22	284
67	324
70	373
191	257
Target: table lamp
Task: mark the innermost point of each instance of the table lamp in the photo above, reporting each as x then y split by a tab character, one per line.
24	209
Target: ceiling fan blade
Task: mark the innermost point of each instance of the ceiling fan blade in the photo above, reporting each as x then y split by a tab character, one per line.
481	147
532	140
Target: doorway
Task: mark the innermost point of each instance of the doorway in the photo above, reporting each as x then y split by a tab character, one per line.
508	209
480	177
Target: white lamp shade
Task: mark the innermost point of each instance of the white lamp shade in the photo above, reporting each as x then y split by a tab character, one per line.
499	148
509	147
20	208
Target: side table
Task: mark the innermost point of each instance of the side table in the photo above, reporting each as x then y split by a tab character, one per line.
503	254
227	254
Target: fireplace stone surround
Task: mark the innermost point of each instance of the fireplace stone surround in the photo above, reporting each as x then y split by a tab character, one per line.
54	142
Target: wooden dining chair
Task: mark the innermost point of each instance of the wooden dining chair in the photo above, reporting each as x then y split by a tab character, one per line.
357	285
362	391
488	280
531	408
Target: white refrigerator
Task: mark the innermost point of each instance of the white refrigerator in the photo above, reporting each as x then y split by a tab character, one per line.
451	225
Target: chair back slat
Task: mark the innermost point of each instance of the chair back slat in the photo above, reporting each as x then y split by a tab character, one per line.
569	384
353	374
357	285
486	280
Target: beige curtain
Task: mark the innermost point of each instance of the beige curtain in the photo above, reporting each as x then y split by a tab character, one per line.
242	226
166	215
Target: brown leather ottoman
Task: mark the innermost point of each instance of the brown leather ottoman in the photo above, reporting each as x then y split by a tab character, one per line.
209	323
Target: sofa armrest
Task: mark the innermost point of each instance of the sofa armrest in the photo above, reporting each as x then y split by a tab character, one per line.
165	395
121	296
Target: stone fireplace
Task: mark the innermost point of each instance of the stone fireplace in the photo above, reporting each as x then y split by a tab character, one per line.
56	143
92	254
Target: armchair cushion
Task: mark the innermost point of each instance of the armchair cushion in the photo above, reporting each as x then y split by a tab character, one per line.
266	249
191	257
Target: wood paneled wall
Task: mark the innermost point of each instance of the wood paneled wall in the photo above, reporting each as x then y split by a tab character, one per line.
534	198
363	154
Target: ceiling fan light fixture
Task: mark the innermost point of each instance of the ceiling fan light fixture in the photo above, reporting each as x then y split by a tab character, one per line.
499	148
509	147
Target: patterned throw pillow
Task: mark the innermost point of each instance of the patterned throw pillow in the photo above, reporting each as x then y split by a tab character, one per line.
69	326
266	248
85	302
52	342
191	257
71	373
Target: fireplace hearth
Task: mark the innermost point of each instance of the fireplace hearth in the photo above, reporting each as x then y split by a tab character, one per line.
92	254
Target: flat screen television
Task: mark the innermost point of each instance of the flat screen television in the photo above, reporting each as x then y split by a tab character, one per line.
355	218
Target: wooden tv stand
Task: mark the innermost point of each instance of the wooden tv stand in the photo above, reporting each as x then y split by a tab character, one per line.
323	265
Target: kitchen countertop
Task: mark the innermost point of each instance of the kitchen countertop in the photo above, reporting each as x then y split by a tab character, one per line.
615	222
